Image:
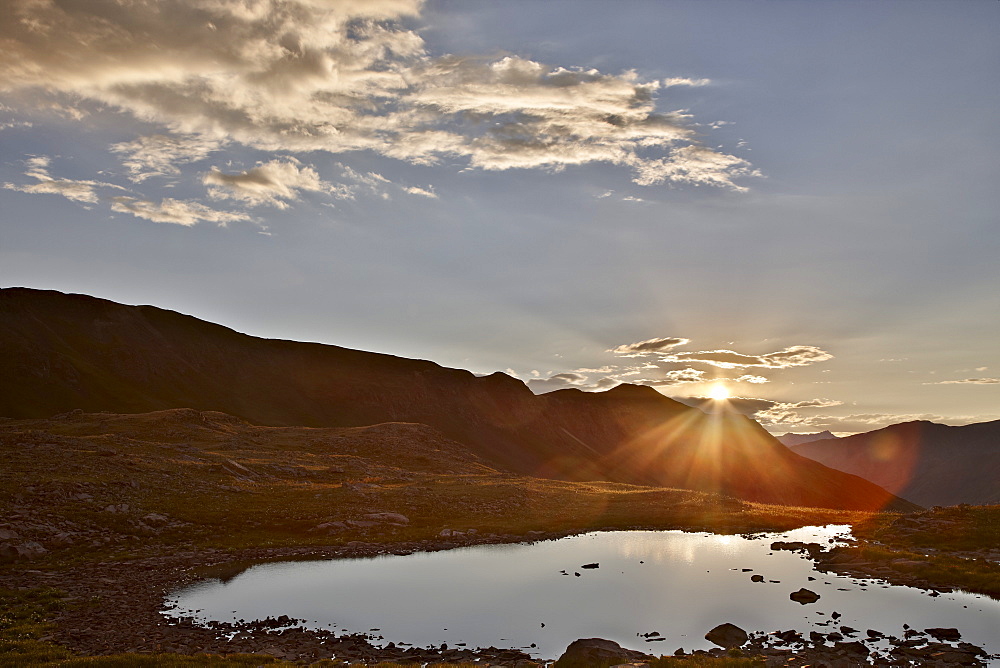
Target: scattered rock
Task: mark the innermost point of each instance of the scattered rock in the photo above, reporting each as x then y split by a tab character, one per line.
21	551
594	565
804	596
948	635
588	652
756	578
727	636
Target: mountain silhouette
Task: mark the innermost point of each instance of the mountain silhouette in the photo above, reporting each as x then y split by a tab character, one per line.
60	352
928	463
792	440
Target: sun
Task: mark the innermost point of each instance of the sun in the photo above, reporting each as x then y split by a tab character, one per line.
719	392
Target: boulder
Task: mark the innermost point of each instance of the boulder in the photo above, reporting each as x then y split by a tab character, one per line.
950	635
588	652
804	596
756	578
727	636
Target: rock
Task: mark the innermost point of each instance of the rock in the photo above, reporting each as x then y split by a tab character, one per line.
330	528
852	648
949	635
756	578
812	549
392	518
804	596
61	539
594	565
155	519
21	551
727	636
7	534
588	652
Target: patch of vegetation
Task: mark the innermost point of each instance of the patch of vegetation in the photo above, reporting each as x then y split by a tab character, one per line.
976	576
24	622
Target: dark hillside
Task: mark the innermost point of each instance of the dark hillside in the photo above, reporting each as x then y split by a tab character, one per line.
927	463
62	352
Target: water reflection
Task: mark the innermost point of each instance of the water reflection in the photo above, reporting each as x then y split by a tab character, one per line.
678	584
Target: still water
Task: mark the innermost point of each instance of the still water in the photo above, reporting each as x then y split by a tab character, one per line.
675	583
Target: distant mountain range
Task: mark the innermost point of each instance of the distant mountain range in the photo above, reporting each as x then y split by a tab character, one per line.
60	352
791	439
927	463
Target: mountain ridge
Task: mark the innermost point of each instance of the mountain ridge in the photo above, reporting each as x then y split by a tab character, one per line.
792	440
62	352
926	462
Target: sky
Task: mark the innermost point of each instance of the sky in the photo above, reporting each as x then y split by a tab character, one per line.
794	200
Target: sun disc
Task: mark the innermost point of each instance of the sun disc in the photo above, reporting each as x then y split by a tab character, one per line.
719	392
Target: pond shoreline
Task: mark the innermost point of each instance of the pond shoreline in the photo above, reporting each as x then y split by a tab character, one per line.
118	606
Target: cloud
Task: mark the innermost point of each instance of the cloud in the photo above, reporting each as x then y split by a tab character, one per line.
787	413
422	192
863	422
159	155
274	183
968	381
174	211
648	346
673	377
569	379
83	191
305	75
756	380
729	359
684	81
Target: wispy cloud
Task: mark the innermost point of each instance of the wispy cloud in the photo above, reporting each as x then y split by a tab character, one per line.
788	413
421	192
274	183
570	379
83	191
662	348
729	359
178	212
673	377
968	381
685	81
649	346
160	155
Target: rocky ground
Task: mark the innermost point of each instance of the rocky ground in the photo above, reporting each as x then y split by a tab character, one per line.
116	511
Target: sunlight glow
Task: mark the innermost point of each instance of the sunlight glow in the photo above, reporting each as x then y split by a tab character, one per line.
719	392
